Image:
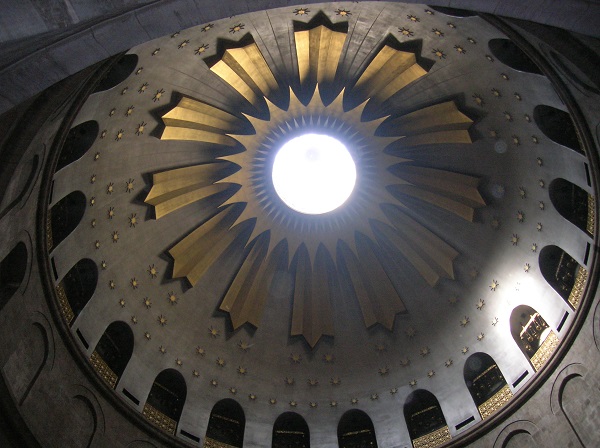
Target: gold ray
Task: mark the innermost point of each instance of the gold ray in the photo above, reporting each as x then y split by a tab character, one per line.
200	249
378	299
440	123
390	71
454	192
312	315
177	188
318	51
246	297
246	70
194	120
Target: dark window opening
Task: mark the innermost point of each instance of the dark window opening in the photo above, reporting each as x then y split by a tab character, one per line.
227	423
168	394
482	377
560	270
510	54
356	430
80	283
290	431
65	216
558	126
115	347
453	12
573	203
118	73
423	414
528	329
79	140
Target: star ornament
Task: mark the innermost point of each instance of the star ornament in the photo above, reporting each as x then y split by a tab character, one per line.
310	242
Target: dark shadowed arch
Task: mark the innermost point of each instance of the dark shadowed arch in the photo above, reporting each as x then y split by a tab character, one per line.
227	423
79	285
510	54
558	126
423	414
166	399
290	431
114	349
562	272
79	140
356	430
65	216
573	203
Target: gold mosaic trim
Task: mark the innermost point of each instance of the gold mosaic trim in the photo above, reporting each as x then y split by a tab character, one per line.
159	419
49	240
103	370
591	215
498	400
212	443
63	303
545	351
433	439
578	287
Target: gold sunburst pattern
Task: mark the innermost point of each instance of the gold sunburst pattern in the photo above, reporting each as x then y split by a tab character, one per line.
318	247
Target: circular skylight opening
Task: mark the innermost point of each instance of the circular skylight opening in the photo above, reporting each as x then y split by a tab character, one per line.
314	174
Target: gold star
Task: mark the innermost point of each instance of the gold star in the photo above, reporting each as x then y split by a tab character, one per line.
504	76
336	381
103	134
489	58
495	223
206	28
110	188
115	236
354	400
480	337
437	32
134	320
406	32
183	44
103	265
200	351
242	370
221	362
534	247
412	383
201	49
542	205
173	300
430	12
526	267
494	321
289	381
539	161
494	133
460	49
393	390
252	397
413	18
380	347
516	141
464	321
112	112
122	303
143	87
162	320
213	332
494	285
328	358
293	404
296	358
129	185
147	336
343	12
424	351
162	349
480	304
139	70
478	99
520	216
233	390
93	179
539	227
111	212
111	284
508	116
313	382
464	350
534	139
214	383
518	96
133	220
411	332
129	111
134	283
374	397
522	192
449	362
514	239
155	52
496	93
158	95
195	373
451	25
404	362
333	403
92	201
147	302
152	271
236	28
384	370
301	11
179	362
439	53
272	401
431	373
243	345
471	40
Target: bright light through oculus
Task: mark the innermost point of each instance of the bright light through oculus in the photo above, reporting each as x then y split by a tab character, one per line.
314	174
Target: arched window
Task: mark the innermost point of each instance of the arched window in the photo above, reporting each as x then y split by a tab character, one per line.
165	400
510	54
79	140
356	430
557	125
563	273
486	384
113	352
64	217
118	72
290	431
76	288
12	272
533	335
424	417
573	203
226	425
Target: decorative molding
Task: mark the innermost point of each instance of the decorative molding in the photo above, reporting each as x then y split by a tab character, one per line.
159	419
591	214
498	400
103	370
576	294
212	443
545	351
63	303
433	439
